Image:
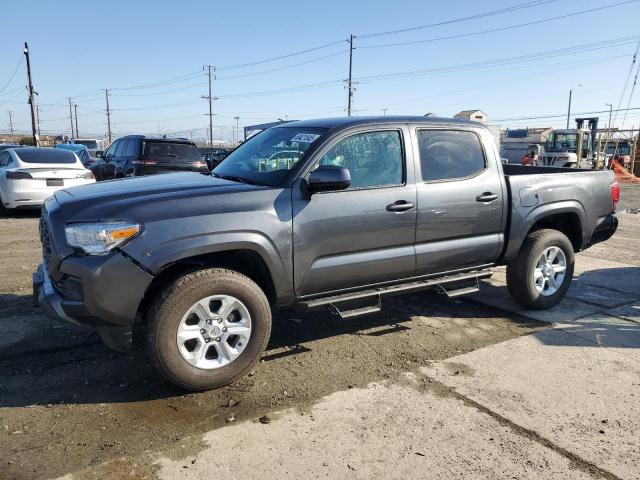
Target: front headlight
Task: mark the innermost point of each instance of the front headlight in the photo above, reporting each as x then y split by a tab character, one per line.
100	238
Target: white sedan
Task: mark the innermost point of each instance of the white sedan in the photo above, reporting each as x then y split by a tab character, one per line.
30	175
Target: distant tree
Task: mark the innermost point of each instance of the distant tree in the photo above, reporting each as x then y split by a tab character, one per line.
27	141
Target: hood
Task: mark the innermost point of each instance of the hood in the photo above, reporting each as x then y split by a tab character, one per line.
111	197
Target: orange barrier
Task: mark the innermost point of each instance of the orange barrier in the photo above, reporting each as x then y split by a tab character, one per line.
622	174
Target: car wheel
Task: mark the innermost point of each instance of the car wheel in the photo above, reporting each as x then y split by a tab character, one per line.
540	275
208	328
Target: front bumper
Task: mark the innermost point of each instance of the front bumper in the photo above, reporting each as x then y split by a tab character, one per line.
100	292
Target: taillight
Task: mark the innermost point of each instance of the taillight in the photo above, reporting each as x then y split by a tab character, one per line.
144	162
615	195
18	175
199	164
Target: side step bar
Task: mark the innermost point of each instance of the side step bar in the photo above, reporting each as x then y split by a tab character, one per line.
356	312
372	293
458	292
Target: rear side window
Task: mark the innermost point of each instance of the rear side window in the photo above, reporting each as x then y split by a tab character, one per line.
168	150
46	155
449	154
374	159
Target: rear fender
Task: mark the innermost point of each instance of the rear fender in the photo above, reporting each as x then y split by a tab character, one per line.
523	220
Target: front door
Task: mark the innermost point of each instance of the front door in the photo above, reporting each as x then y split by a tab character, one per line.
364	234
460	201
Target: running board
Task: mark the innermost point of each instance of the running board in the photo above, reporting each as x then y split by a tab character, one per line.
458	292
356	312
476	275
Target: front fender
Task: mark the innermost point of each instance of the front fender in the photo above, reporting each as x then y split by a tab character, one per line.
158	256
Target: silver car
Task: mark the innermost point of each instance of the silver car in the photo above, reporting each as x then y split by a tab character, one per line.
30	175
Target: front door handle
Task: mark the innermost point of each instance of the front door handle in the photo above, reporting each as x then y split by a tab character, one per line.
487	197
400	206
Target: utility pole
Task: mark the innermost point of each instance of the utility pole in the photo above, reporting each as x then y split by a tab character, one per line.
70	116
384	111
31	93
11	122
211	99
569	110
75	109
38	112
106	94
350	82
610	110
237	131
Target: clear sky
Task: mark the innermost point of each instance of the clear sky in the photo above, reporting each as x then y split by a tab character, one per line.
160	47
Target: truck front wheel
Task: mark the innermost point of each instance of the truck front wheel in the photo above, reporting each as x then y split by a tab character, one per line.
208	328
541	273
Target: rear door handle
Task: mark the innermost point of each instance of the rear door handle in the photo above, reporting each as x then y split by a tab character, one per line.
487	197
400	206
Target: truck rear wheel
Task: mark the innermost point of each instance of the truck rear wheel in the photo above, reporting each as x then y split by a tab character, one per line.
208	328
540	275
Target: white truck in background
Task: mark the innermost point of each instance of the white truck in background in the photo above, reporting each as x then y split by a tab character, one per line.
94	145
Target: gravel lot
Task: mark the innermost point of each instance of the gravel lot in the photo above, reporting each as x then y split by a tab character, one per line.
63	395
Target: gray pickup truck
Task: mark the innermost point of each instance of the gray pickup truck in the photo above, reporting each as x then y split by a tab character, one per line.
328	213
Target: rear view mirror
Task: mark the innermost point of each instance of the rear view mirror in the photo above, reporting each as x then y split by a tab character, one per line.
329	177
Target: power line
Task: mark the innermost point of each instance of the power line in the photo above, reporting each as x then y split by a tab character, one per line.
12	76
512	8
509	60
285	67
281	57
499	29
162	83
561	115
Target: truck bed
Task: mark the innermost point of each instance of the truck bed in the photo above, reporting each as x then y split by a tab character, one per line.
574	195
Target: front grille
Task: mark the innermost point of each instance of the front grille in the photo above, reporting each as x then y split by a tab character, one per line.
45	239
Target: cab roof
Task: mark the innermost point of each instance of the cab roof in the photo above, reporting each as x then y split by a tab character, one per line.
345	122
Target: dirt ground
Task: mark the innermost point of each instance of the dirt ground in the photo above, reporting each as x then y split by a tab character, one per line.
68	402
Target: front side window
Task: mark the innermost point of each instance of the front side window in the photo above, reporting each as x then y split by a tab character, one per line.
374	159
112	149
449	154
267	157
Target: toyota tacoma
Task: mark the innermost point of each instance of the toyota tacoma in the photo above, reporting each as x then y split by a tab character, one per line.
333	213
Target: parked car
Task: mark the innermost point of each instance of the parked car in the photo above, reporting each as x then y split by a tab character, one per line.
5	146
80	150
190	265
29	175
213	156
137	155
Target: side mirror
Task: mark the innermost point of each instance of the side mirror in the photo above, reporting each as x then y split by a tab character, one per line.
329	177
100	154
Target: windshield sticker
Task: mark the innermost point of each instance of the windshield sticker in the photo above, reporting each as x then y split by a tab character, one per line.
305	137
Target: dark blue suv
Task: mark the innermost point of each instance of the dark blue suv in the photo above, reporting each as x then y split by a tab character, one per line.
136	155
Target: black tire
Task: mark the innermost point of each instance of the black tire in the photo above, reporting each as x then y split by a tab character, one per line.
520	271
167	311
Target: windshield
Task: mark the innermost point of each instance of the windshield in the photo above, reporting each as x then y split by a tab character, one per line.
87	143
170	151
618	149
267	158
562	141
46	155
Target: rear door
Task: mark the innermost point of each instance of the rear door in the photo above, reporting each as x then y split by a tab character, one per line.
353	237
461	198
